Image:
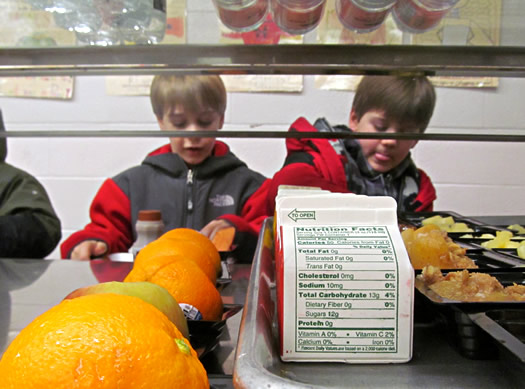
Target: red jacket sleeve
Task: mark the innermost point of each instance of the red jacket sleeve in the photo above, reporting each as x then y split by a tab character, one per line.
253	212
248	224
110	221
427	193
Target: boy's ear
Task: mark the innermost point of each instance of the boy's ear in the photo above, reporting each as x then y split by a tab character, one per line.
161	123
221	123
353	120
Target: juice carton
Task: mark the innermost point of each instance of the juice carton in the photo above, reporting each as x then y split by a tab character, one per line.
345	285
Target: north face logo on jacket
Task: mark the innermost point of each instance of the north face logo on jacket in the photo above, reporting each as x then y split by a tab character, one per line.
222	200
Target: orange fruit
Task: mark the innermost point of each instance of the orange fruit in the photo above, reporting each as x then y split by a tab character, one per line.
189	285
175	248
197	238
223	239
101	341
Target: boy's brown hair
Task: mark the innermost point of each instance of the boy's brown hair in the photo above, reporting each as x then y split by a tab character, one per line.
193	92
407	101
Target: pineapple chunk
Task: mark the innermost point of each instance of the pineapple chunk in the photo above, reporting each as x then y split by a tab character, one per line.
516	227
521	250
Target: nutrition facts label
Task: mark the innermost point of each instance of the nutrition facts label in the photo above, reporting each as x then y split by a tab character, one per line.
346	289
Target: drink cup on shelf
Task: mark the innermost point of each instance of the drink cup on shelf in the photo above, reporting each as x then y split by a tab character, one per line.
297	16
363	15
417	16
242	15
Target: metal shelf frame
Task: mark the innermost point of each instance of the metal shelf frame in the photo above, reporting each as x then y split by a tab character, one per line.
262	134
502	61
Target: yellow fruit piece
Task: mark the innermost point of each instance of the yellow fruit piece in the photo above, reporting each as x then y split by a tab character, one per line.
447	224
436	220
502	240
447	221
487	236
516	227
101	341
521	251
459	227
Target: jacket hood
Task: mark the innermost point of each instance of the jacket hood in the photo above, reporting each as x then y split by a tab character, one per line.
221	160
3	141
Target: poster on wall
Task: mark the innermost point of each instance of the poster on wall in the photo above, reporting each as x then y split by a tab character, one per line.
175	33
469	23
21	25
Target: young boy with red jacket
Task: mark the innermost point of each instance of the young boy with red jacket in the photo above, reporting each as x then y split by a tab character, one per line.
373	167
195	182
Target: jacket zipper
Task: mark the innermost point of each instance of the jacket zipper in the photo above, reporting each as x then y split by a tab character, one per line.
189	193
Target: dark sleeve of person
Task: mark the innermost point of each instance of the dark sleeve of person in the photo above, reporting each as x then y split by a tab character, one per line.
24	236
29	226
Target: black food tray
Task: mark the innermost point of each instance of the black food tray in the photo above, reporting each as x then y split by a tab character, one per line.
205	334
491	259
415	219
482	256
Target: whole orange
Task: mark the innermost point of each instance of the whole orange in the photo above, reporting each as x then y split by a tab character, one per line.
197	238
101	341
189	285
175	248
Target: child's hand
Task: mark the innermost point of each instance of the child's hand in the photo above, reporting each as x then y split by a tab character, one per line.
213	227
88	249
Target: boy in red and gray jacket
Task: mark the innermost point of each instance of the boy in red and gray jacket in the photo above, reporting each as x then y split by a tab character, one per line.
373	167
195	182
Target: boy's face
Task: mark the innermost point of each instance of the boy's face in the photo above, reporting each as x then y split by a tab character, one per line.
193	150
382	154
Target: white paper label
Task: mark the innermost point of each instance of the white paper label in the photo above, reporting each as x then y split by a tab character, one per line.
346	282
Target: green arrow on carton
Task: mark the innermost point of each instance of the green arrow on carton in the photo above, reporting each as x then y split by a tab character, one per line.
301	215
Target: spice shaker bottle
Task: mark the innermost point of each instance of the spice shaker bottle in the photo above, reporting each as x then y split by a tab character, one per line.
149	227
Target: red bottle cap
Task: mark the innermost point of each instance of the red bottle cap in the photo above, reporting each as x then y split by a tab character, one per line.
149	215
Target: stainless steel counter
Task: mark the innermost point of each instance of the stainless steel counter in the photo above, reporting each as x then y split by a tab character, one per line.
30	287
